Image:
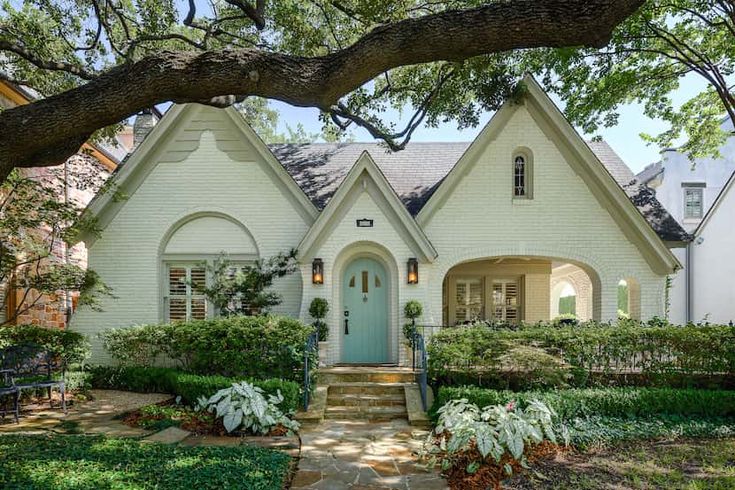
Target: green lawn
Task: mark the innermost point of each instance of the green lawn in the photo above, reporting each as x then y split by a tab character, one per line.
97	462
671	465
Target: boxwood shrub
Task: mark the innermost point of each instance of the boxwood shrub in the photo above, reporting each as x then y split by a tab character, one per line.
607	402
262	346
73	347
590	353
186	385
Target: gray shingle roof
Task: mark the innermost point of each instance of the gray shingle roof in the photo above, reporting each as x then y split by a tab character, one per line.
416	172
650	172
622	174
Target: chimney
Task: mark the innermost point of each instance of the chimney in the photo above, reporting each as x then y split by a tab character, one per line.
144	122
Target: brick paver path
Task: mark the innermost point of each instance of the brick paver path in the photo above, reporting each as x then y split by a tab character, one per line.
361	455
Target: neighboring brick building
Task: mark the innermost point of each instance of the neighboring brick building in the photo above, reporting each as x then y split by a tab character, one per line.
96	163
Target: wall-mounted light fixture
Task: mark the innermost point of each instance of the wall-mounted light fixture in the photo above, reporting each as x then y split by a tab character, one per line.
413	271
317	271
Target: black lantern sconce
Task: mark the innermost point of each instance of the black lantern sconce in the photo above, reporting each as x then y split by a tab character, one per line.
317	271
413	271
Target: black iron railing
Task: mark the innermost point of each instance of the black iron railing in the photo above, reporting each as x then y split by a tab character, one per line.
420	365
311	361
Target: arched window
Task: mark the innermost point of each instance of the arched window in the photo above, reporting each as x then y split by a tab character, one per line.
522	176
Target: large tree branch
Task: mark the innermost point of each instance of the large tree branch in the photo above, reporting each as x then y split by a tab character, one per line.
54	128
45	64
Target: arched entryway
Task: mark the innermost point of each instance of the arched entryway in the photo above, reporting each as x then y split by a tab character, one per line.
379	263
366	309
513	289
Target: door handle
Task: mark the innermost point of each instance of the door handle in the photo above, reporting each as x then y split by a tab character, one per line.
347	326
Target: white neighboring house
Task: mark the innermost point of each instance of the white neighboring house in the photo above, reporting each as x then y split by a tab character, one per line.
470	230
697	195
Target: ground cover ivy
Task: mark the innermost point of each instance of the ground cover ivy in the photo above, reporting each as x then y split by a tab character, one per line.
76	461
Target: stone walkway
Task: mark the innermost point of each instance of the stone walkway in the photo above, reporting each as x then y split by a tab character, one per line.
100	415
363	456
96	416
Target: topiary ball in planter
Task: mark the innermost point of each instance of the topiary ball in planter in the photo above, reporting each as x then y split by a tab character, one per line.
413	310
318	309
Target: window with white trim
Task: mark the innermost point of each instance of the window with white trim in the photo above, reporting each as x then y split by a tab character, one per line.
522	176
506	300
693	202
469	293
184	300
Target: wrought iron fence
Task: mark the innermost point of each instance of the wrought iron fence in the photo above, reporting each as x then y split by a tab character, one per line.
420	365
311	360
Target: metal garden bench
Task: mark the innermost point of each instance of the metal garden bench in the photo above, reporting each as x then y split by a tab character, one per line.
29	367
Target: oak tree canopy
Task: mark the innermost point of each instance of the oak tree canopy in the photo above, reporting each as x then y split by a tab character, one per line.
97	62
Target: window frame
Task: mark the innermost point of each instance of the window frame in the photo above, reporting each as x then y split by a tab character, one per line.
527	187
692	188
191	260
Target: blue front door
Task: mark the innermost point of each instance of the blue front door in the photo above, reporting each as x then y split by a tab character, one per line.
365	315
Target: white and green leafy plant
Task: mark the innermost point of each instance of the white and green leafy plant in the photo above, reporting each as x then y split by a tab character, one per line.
494	431
244	406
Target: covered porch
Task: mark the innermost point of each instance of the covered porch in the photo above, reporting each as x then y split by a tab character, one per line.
514	289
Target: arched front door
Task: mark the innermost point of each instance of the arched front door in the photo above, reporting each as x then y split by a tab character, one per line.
365	315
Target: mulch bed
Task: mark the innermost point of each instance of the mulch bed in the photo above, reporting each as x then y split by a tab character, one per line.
491	474
196	422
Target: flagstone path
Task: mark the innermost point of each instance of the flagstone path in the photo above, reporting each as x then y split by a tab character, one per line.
361	455
95	416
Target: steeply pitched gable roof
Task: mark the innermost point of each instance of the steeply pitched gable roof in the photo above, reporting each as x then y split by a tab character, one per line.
365	167
416	172
139	164
320	168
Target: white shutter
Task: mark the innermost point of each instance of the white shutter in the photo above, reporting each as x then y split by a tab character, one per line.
198	302
506	301
185	301
469	300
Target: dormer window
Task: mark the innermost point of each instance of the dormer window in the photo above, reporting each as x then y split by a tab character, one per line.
521	176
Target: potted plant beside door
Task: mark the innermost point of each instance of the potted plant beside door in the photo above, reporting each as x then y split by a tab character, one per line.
411	311
318	310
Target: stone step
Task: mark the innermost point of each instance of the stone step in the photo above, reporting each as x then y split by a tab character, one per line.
367	388
329	376
363	400
374	414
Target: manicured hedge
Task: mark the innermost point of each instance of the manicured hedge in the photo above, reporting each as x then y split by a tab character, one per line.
73	347
609	402
601	431
655	355
257	347
186	385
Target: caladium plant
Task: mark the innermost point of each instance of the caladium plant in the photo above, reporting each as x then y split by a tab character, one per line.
245	406
494	430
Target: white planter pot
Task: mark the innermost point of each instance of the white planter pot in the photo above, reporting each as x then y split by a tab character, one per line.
323	353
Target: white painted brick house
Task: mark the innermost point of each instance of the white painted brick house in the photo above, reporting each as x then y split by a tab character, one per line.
472	231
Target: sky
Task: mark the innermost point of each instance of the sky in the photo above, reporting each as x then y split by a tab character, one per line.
623	138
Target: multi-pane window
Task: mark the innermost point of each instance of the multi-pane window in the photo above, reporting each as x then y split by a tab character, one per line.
693	202
506	301
520	176
469	300
185	300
